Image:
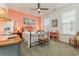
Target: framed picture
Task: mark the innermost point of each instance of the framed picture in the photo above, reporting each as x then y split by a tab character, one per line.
55	23
29	21
26	21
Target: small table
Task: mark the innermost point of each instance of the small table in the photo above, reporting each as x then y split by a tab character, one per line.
54	36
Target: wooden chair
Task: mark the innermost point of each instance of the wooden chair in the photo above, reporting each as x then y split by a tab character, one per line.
74	41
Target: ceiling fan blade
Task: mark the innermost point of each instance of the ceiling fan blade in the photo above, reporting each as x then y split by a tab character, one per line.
44	8
35	9
38	5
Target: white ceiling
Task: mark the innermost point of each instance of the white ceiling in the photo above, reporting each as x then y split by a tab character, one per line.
26	7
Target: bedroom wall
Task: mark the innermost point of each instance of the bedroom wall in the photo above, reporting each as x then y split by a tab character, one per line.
58	15
16	15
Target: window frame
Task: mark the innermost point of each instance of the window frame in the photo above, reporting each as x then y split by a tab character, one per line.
71	22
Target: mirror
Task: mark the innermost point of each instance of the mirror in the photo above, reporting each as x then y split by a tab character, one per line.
7	27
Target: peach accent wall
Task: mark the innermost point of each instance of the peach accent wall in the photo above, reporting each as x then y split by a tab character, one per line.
1	30
16	15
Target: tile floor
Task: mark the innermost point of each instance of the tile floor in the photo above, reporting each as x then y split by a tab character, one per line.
52	49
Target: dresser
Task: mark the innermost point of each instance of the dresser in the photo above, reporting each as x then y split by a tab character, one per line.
54	36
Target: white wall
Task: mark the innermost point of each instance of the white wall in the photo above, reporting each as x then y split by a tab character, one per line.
3	5
58	15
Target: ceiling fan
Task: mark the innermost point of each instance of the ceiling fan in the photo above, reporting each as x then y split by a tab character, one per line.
39	8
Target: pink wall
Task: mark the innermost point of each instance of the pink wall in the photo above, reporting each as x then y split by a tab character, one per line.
16	15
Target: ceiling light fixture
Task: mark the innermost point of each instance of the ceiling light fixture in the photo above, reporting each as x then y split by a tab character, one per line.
39	9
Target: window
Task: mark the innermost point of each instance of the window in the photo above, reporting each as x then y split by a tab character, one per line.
46	24
46	21
68	22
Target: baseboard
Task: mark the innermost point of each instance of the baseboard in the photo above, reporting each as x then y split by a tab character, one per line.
61	41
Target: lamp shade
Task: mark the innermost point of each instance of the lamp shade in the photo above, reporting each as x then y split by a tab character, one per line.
3	10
